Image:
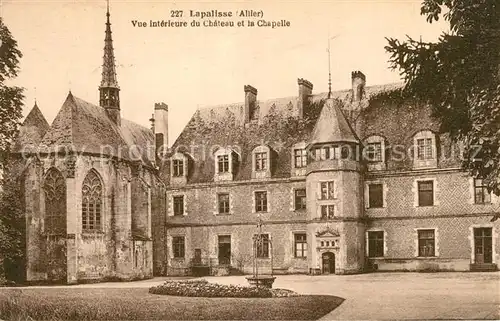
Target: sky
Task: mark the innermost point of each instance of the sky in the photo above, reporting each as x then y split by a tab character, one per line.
189	68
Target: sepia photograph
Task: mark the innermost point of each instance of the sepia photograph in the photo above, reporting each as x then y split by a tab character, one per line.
249	160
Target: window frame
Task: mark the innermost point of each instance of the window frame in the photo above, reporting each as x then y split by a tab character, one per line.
424	241
92	216
300	157
178	252
261	205
266	246
226	208
376	244
370	198
177	167
223	163
327	211
176	207
483	190
329	190
421	199
261	161
300	245
301	202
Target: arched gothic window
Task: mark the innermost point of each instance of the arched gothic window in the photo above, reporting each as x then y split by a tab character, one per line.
91	202
55	202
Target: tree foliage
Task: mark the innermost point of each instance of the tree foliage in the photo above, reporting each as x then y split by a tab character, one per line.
459	77
11	216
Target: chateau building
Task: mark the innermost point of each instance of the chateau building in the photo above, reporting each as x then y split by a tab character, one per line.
346	182
334	183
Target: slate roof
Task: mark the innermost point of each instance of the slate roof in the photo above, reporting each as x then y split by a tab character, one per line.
83	127
332	125
32	129
381	113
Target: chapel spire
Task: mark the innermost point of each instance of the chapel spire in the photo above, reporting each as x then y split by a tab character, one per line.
109	89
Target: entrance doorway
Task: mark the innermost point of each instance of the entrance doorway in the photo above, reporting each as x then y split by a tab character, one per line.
328	263
224	249
483	245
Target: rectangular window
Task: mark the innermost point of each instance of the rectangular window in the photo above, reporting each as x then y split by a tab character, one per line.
426	193
327	190
300	245
178	246
375	195
262	246
424	149
374	152
300	199
179	205
426	243
178	167
223	163
327	212
300	156
376	244
481	194
223	201
261	201
261	161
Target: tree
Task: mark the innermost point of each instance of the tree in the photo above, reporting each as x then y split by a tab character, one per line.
459	77
11	218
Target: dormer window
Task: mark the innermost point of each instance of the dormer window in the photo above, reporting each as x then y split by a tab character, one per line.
223	163
300	158
424	149
374	152
226	164
261	161
178	167
425	152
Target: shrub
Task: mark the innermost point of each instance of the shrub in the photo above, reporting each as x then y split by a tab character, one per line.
202	288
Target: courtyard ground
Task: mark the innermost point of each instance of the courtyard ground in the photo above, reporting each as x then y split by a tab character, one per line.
396	296
379	296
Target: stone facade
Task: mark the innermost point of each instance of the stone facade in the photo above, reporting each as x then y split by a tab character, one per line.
378	217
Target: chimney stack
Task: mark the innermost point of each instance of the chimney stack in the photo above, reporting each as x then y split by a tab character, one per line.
250	103
358	85
161	128
305	92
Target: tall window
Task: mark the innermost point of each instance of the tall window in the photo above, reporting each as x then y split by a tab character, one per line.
91	201
481	194
223	163
376	244
327	212
300	199
327	190
261	201
424	149
55	202
178	246
375	195
426	243
300	244
223	201
374	152
426	193
179	205
178	167
300	157
261	161
263	246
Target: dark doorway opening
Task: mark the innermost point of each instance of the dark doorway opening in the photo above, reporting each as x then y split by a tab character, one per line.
328	260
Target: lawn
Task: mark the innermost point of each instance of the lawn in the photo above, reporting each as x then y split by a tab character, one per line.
63	303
